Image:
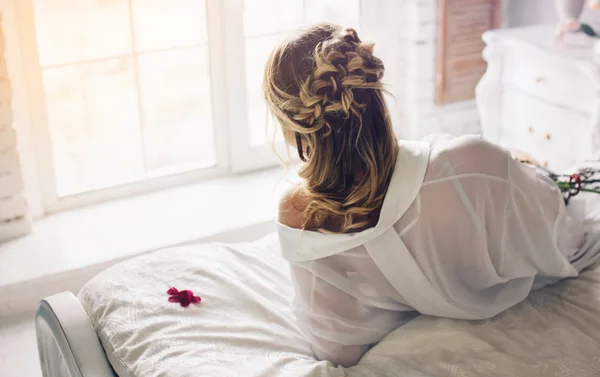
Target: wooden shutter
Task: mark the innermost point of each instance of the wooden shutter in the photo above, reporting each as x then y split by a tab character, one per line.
14	221
460	65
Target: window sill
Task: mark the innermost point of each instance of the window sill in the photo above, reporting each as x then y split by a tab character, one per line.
66	249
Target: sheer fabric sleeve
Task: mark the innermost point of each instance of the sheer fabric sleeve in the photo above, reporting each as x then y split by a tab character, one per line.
339	328
488	227
538	224
538	234
535	219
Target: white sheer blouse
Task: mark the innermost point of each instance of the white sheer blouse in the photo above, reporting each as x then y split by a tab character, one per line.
464	232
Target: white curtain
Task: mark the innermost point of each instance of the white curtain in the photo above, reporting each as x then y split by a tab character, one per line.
14	221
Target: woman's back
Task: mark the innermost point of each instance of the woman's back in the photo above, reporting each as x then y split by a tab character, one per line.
381	230
479	230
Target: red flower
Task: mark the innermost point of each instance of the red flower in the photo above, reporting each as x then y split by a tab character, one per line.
575	183
185	297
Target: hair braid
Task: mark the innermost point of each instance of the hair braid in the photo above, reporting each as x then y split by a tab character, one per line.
343	64
325	86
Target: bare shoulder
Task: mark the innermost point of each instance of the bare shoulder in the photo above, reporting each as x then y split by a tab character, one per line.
291	207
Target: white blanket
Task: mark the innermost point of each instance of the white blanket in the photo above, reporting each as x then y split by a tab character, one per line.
244	326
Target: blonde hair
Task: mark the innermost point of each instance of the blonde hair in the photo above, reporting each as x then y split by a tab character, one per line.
325	86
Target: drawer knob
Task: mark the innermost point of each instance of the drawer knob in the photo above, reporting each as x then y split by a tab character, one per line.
539	79
548	137
530	129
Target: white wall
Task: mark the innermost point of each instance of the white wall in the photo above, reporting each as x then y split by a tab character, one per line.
405	32
415	35
530	12
21	115
541	12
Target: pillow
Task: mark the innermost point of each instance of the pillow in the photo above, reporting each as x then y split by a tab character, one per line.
242	327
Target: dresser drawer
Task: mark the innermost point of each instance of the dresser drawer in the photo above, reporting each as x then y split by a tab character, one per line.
551	134
553	83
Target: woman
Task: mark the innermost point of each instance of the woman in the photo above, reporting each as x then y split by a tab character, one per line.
380	231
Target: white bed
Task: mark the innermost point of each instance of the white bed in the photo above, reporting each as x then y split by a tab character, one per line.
243	327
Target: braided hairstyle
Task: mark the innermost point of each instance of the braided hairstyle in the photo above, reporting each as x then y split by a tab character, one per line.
324	88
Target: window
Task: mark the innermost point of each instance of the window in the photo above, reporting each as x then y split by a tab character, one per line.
265	24
133	95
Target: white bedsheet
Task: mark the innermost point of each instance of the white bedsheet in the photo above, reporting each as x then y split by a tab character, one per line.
243	327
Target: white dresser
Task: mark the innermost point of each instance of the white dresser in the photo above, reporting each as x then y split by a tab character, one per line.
540	96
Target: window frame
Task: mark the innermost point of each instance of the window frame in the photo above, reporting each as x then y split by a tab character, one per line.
233	150
41	132
244	156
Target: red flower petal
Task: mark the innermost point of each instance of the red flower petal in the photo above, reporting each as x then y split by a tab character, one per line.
173	291
185	297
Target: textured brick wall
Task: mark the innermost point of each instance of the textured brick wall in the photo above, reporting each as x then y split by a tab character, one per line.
13	208
406	34
421	112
